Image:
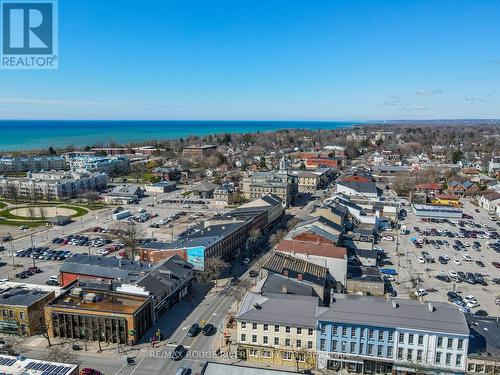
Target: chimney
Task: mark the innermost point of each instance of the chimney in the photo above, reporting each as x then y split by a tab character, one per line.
284	289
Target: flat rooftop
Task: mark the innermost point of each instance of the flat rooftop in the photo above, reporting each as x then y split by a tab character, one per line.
21	296
99	300
23	366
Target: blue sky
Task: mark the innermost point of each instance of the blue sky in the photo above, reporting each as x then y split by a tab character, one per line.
266	59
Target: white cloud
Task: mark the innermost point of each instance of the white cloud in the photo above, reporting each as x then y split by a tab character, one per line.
429	92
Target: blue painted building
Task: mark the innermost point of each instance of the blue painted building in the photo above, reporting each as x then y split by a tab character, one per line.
373	335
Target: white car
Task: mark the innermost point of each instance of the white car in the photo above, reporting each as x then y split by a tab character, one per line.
457	262
470	298
467	257
420	292
452	273
464	309
445	257
471	305
377	248
388	238
420	259
466	244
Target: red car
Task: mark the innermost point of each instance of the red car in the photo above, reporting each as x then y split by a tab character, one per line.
496	264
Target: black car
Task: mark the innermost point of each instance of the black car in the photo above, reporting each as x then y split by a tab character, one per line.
178	353
479	263
21	275
208	330
496	280
454	295
442	260
253	273
52	282
444	278
193	331
481	313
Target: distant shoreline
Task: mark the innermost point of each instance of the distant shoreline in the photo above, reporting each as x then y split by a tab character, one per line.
26	135
33	135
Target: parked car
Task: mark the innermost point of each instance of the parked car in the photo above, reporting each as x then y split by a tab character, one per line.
208	329
193	331
178	353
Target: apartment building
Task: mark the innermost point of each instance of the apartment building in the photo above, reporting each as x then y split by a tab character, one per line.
54	184
224	195
191	152
279	183
22	310
112	166
34	163
373	335
277	329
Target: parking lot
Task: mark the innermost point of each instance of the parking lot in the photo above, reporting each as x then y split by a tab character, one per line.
453	250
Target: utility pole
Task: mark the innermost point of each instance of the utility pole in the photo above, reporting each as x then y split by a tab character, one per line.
32	247
12	250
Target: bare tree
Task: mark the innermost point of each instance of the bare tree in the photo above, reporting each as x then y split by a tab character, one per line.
31	212
12	192
58	353
403	184
129	234
42	212
91	197
138	170
213	269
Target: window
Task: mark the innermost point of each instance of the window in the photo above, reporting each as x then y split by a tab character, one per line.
401	338
266	354
460	343
419	355
370	334
266	327
323	329
287	356
243	325
458	360
391	336
4	313
299	331
309	345
344	331
276	341
300	357
254	326
362	333
389	352
287	342
343	344
322	343
370	349
450	344
409	356
380	349
361	348
334	345
335	330
298	343
400	353
265	340
440	342
243	337
353	347
310	332
254	338
353	332
380	335
21	315
11	314
276	328
420	340
410	338
253	353
287	329
438	357
448	358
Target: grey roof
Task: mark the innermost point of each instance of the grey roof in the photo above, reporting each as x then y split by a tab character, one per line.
485	335
204	187
275	284
212	368
165	275
105	267
281	263
279	309
361	187
409	314
21	296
